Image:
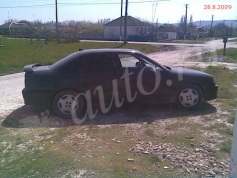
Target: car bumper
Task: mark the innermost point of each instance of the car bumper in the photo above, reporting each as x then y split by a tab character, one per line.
37	98
211	93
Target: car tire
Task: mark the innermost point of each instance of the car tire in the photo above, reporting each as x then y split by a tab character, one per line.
66	103
190	97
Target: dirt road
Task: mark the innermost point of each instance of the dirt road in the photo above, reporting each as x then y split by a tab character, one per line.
173	54
10	93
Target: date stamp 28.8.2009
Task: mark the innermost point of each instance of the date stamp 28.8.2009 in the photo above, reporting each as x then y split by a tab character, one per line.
217	7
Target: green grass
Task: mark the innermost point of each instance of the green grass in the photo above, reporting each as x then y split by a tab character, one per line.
222	129
16	53
231	54
149	132
227	81
226	146
227	97
20	156
231	120
39	165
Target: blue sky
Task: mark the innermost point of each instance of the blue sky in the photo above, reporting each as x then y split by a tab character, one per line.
166	11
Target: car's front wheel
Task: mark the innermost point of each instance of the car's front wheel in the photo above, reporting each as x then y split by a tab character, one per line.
190	97
66	103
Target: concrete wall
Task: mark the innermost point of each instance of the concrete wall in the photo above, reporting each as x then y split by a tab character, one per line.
113	32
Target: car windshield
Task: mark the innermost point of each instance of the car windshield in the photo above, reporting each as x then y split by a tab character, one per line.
150	61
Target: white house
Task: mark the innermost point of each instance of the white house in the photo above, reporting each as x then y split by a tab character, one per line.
168	32
13	28
134	27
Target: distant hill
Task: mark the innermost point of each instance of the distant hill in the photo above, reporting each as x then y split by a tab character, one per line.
215	22
206	23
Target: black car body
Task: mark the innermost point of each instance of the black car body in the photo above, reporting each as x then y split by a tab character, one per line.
114	76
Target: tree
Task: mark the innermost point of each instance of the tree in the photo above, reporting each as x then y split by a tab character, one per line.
181	23
104	21
191	25
221	29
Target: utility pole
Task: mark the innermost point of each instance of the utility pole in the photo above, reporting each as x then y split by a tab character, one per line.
211	25
56	7
125	26
121	20
185	21
154	6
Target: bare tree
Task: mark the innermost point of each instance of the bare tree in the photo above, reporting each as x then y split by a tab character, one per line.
221	29
181	23
191	25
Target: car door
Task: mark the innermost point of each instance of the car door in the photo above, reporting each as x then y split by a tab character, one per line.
96	76
129	77
147	81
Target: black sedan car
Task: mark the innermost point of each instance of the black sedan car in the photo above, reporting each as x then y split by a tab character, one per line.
86	79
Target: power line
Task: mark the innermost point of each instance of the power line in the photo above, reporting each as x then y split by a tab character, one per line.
102	3
41	5
73	4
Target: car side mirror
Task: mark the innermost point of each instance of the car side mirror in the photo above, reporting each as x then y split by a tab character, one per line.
138	65
149	70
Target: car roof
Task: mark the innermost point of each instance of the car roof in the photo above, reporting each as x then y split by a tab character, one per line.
107	50
92	51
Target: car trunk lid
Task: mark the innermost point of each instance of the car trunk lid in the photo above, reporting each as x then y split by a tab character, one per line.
30	68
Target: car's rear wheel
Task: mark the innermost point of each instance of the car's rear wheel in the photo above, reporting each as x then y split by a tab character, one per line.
66	103
190	97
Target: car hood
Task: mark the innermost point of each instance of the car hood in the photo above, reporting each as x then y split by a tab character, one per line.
182	71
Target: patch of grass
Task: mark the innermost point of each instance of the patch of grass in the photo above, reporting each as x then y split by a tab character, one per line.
226	79
16	53
226	131
221	128
231	120
40	164
185	134
231	54
217	126
149	132
226	146
155	159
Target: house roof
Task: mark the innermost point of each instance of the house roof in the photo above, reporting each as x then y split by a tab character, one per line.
168	28
131	21
18	25
6	25
14	25
201	30
198	30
